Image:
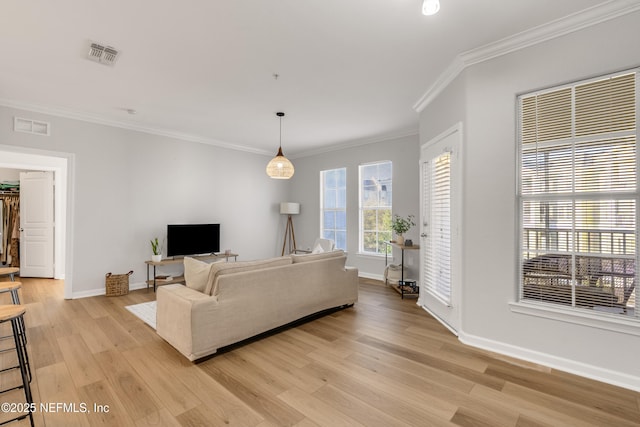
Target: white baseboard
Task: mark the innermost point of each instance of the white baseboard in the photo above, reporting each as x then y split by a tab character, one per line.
608	376
371	276
143	285
102	291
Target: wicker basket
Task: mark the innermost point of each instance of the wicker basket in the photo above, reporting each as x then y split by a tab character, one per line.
117	284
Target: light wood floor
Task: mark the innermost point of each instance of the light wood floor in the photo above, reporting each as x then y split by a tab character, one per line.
384	362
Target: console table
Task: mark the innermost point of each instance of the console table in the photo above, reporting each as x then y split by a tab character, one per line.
402	284
171	261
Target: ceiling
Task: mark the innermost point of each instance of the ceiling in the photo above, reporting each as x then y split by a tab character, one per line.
349	71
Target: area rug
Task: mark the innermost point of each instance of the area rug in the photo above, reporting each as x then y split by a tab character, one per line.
145	311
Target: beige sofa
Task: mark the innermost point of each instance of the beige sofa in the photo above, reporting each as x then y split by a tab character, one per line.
224	303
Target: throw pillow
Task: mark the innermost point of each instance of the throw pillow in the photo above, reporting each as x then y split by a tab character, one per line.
196	273
318	249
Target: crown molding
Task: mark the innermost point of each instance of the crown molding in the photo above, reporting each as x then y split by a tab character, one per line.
551	30
81	116
452	71
76	115
354	143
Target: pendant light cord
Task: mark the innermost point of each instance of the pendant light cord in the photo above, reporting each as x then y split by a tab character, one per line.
281	132
281	115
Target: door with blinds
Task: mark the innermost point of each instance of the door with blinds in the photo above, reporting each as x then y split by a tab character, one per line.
440	187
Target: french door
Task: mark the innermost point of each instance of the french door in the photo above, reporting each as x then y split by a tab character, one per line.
440	190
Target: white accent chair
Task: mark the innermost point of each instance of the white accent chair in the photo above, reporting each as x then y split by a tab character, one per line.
320	245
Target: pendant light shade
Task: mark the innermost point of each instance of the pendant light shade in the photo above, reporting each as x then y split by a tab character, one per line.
280	167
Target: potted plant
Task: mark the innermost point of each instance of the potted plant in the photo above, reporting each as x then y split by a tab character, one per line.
156	248
401	225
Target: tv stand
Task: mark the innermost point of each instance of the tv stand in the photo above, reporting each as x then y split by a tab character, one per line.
171	261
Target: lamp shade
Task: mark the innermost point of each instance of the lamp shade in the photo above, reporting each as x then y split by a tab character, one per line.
289	208
280	167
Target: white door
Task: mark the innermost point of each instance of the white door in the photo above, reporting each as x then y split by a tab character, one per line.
440	182
36	224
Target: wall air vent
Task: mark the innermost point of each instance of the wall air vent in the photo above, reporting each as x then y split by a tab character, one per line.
31	126
103	54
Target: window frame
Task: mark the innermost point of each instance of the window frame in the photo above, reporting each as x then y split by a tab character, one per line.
382	249
555	310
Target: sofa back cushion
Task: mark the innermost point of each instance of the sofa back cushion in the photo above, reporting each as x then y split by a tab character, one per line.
296	258
196	273
222	268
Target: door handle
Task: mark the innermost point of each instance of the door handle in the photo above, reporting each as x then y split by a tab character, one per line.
21	229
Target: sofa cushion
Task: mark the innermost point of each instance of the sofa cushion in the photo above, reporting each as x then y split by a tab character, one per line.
223	268
196	273
296	258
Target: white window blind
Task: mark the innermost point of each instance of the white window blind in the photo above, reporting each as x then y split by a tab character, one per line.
578	195
437	197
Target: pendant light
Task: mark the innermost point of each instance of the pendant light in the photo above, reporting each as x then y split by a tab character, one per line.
280	167
430	7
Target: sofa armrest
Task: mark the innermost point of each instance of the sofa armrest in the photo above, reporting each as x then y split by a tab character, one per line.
352	273
177	309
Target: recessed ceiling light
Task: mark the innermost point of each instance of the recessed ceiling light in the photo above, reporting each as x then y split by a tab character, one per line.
430	7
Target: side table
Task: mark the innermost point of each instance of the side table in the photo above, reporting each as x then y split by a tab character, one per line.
402	284
170	261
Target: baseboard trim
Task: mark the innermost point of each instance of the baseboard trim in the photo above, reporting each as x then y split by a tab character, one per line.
371	276
143	285
608	376
102	291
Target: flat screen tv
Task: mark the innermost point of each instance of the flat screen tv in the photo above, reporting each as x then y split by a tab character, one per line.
192	239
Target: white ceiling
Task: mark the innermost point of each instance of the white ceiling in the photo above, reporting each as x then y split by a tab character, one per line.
350	71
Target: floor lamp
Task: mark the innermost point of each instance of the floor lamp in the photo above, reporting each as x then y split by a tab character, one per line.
289	208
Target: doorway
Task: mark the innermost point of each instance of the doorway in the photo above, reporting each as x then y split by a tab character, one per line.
61	164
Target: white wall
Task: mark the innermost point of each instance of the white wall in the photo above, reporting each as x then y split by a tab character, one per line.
488	110
305	188
129	185
10	174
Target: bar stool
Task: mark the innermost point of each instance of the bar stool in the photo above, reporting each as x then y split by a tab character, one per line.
13	314
9	271
13	287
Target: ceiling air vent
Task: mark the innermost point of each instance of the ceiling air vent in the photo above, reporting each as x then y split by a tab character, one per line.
103	54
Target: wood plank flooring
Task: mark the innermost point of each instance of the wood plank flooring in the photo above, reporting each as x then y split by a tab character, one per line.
383	362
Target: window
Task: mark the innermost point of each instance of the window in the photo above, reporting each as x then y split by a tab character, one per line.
333	206
375	207
578	195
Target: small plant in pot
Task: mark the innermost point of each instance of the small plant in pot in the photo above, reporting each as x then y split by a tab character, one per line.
401	225
156	249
